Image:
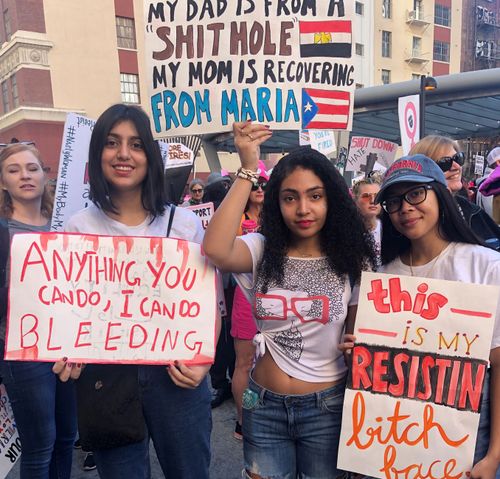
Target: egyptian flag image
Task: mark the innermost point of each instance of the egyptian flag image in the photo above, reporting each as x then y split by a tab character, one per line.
331	38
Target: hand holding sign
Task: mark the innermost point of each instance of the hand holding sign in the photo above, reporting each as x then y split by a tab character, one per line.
248	137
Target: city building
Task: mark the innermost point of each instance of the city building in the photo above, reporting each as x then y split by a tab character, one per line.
480	35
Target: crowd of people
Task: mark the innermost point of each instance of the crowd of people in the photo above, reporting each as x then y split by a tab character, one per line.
291	247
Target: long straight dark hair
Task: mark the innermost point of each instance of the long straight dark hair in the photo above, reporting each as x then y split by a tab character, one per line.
154	196
452	226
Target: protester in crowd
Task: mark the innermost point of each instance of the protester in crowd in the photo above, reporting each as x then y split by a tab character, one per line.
446	153
489	189
43	406
128	199
223	368
298	273
196	188
244	328
425	235
364	192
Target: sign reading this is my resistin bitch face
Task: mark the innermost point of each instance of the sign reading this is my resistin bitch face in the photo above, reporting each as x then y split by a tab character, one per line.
282	62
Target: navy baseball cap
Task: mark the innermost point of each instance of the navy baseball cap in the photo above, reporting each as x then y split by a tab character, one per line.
411	169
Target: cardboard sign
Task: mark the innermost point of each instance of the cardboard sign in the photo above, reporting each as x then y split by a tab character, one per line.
478	164
10	444
205	211
72	188
213	62
101	299
363	146
320	140
409	121
413	393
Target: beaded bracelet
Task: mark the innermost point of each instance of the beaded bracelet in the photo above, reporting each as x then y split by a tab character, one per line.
249	175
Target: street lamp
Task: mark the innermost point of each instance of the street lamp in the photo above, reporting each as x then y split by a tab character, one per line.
426	84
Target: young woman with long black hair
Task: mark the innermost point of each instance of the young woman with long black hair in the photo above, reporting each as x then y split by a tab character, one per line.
298	274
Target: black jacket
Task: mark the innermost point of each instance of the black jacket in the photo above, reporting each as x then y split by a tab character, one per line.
480	222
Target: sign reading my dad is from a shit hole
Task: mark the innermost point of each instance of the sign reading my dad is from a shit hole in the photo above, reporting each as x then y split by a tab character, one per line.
108	299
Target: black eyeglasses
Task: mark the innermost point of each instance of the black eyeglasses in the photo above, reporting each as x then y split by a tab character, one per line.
446	161
413	197
261	184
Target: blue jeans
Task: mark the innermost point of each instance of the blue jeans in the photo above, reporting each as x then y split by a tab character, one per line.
483	432
45	413
289	436
179	422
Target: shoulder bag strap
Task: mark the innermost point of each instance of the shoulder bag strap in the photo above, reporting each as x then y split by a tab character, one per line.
170	219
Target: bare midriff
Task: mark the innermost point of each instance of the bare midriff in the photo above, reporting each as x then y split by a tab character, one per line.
268	375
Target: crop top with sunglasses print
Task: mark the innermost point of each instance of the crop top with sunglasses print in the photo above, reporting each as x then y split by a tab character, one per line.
302	319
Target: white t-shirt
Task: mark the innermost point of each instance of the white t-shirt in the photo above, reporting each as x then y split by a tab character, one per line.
458	262
185	225
301	320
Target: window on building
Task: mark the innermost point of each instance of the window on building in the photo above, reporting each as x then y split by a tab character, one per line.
415	76
418	5
360	49
15	92
442	15
7	25
5	96
441	51
386	77
125	32
416	46
386	8
360	8
386	44
130	88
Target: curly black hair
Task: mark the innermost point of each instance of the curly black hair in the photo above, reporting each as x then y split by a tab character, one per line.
452	226
344	239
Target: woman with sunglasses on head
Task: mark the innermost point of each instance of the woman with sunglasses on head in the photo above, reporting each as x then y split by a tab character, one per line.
243	327
126	178
298	273
425	235
446	153
43	406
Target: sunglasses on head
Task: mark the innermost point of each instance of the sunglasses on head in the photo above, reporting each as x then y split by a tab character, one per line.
446	162
260	184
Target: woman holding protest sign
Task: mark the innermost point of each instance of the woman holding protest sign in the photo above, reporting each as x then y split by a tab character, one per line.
298	274
425	235
170	405
44	407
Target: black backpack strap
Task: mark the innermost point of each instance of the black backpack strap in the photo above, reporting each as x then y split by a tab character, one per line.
170	219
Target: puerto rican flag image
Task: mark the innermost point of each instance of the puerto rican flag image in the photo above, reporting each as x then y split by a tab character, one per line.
325	109
330	38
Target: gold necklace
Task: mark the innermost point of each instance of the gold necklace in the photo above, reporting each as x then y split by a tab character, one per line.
432	266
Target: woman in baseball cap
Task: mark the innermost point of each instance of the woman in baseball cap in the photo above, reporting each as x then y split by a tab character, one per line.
424	234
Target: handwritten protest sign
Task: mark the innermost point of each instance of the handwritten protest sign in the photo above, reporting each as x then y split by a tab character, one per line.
320	140
205	211
110	299
213	62
10	444
418	366
72	188
363	146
